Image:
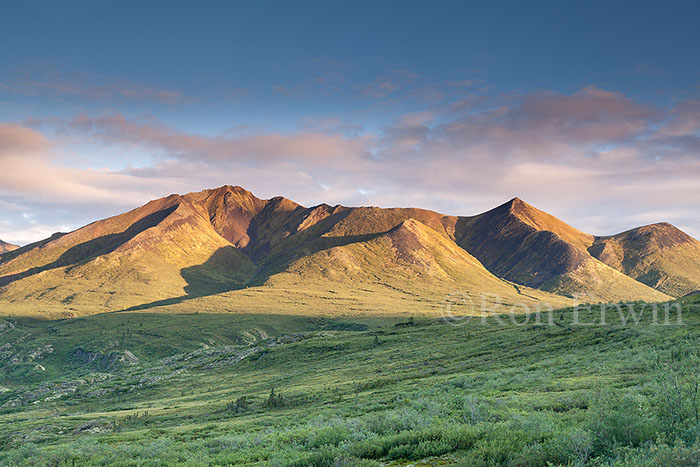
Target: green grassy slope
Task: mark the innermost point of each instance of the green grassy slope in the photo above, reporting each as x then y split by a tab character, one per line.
239	389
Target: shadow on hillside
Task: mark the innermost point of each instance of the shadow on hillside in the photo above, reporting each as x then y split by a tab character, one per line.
21	250
216	275
83	252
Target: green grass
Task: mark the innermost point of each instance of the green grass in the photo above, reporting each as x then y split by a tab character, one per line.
261	389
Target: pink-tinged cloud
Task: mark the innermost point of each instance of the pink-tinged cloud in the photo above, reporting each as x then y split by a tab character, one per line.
588	116
316	147
31	169
540	124
16	139
684	119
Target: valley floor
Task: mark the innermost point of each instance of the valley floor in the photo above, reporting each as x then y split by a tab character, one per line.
252	389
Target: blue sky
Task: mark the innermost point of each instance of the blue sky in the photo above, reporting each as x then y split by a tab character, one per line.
588	110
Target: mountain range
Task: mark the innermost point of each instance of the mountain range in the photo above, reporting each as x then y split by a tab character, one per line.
226	249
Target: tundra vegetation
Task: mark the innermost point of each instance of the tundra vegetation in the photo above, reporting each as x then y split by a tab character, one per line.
137	388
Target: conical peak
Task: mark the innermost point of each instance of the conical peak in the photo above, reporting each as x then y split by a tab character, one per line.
517	205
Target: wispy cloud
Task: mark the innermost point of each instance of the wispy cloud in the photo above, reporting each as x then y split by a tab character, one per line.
684	119
388	83
256	148
32	169
86	85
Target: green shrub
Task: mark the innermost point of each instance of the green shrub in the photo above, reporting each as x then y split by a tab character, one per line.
654	455
331	457
417	444
626	420
328	436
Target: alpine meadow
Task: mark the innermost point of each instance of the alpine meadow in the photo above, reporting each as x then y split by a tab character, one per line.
336	234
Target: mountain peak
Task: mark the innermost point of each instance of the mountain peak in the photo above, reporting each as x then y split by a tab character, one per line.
411	237
664	228
540	220
229	209
280	203
662	234
518	206
513	206
6	247
221	191
231	188
659	255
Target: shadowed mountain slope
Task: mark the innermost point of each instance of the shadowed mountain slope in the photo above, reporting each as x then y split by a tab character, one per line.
659	255
530	247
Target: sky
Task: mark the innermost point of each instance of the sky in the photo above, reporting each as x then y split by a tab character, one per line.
587	110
